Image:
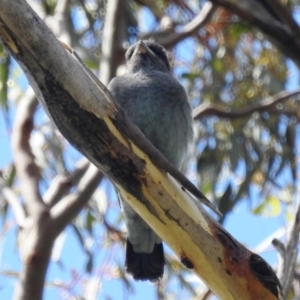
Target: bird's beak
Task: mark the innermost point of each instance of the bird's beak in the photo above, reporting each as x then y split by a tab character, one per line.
141	48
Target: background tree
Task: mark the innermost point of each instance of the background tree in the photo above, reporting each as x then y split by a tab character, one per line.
246	147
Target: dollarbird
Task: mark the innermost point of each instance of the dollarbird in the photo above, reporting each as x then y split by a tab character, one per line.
157	104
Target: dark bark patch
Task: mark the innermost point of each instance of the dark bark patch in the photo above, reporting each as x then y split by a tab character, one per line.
265	274
187	263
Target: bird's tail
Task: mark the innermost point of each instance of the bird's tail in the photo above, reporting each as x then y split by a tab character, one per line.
145	266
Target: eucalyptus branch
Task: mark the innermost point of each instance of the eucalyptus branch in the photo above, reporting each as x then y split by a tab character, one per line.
212	109
67	208
61	184
34	242
57	21
169	38
289	252
206	295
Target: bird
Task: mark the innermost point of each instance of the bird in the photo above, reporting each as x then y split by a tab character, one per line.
158	105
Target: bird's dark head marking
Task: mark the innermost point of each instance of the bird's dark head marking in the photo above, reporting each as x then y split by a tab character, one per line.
147	55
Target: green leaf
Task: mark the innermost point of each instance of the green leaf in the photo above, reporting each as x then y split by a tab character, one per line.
239	28
190	76
218	65
89	222
270	207
225	201
11	175
4	72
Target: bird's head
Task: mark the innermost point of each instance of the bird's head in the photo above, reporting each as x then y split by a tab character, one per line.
146	55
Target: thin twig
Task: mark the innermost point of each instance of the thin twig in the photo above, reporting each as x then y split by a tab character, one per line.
279	247
206	295
286	270
65	210
15	205
121	235
61	184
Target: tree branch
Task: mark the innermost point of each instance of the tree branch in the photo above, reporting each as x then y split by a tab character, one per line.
112	39
279	246
209	109
206	295
27	170
170	39
283	14
57	21
35	244
288	252
61	184
68	208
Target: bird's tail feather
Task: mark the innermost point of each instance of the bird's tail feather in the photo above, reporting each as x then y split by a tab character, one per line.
145	266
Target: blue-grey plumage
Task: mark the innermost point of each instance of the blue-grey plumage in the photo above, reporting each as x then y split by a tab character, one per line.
157	104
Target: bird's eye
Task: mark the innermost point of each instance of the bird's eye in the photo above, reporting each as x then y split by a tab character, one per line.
159	52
